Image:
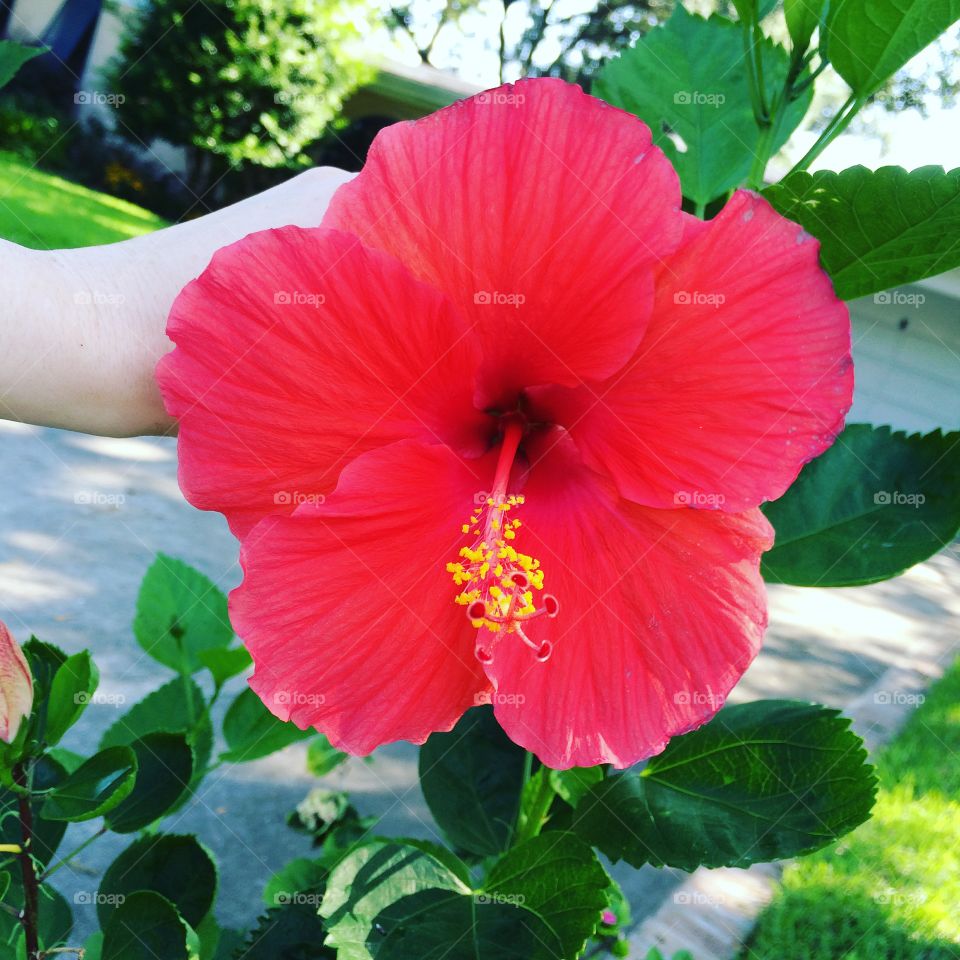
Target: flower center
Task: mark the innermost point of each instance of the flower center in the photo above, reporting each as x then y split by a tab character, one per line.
499	585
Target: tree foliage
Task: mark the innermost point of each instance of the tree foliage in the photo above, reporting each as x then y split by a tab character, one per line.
236	82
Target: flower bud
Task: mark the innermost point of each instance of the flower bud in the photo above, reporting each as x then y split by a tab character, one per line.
16	686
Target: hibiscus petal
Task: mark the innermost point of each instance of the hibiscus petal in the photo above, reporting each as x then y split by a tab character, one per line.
346	607
743	375
660	613
296	351
535	195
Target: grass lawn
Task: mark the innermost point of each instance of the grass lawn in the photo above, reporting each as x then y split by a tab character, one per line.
44	211
891	889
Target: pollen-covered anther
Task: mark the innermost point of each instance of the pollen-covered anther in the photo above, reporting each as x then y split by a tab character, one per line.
499	585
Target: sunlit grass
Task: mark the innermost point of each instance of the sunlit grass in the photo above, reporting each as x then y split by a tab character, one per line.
44	211
891	890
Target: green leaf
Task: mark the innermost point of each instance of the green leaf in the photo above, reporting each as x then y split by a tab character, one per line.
374	876
146	926
803	17
94	788
229	944
877	228
557	879
299	881
214	941
874	504
869	40
73	685
762	781
44	660
252	731
750	10
93	946
13	56
688	77
471	779
293	932
323	757
47	834
570	785
224	664
177	867
55	920
180	613
68	759
396	900
165	769
332	822
177	707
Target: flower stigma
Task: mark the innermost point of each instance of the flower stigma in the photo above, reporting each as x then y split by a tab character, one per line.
499	585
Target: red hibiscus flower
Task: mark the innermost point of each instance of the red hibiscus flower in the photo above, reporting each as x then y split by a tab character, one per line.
497	431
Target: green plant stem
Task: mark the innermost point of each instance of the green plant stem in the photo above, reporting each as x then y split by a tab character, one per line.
807	81
23	777
65	860
699	209
525	779
208	708
761	155
756	98
756	50
531	825
841	120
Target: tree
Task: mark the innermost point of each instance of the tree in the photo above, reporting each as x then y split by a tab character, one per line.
236	82
535	37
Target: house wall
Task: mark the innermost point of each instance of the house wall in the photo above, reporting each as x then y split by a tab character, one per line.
906	351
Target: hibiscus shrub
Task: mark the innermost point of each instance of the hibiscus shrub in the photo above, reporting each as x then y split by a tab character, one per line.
157	897
515	827
511	442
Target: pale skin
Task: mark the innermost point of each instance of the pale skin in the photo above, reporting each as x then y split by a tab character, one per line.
82	330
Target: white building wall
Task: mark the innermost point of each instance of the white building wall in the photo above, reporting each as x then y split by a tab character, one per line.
906	355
